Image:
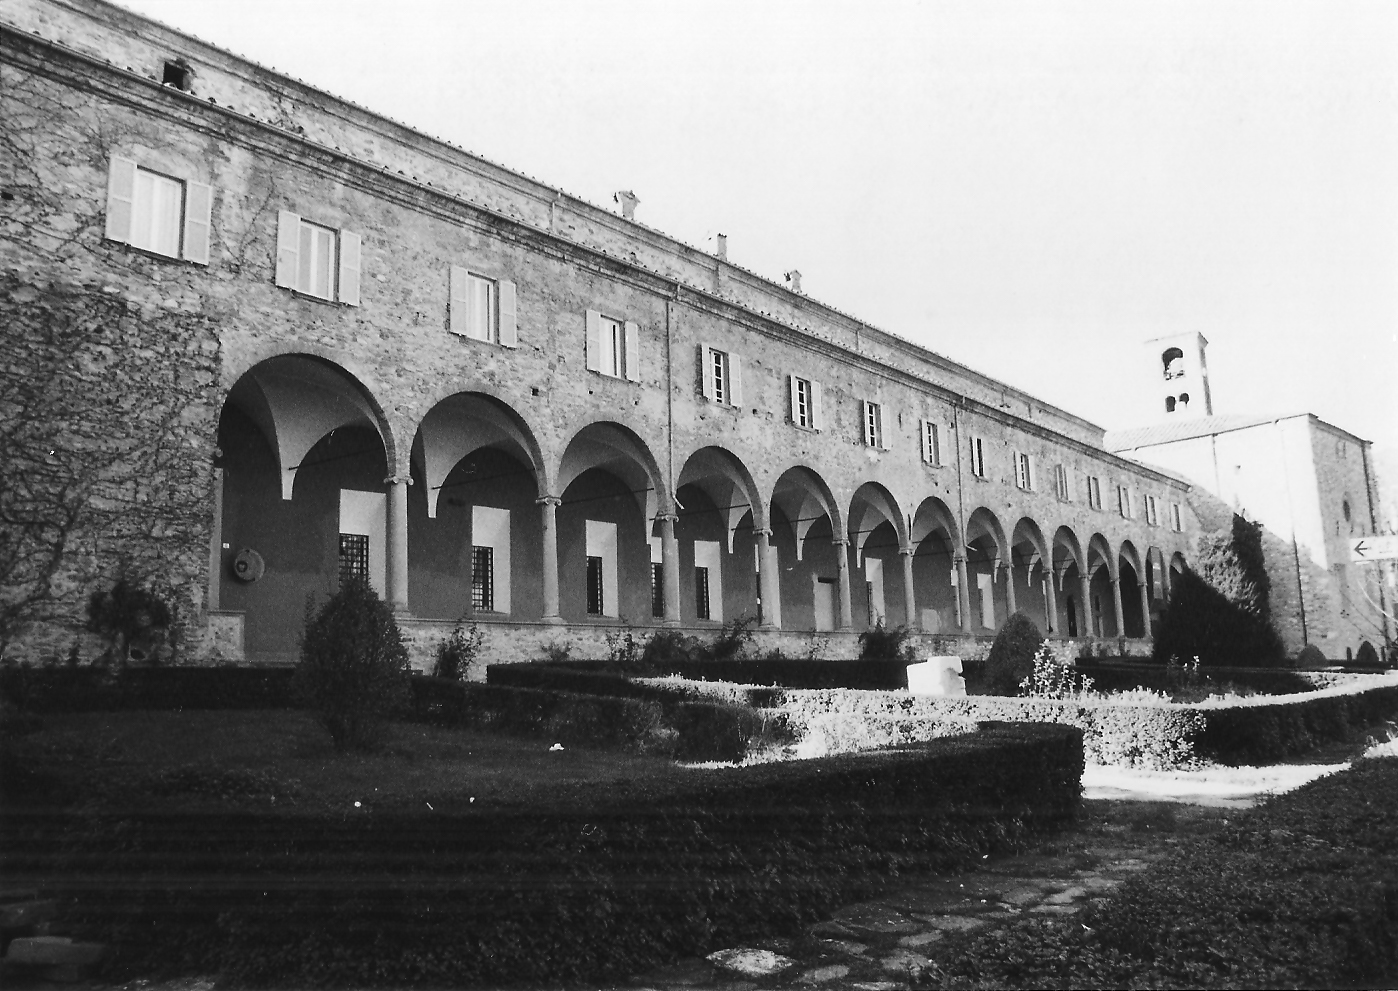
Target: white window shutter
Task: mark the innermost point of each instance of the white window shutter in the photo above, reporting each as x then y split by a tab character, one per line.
1029	470
706	363
735	379
509	323
349	268
864	421
795	399
925	440
884	428
288	248
817	415
594	341
198	206
459	303
633	351
1019	472
121	192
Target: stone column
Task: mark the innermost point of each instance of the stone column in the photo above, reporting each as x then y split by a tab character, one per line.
845	620
1086	628
1144	589
548	537
909	593
670	566
963	592
1165	583
212	599
397	541
1051	595
1116	606
768	581
1010	589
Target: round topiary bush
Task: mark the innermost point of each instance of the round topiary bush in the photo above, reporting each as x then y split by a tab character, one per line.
1011	658
1311	657
354	667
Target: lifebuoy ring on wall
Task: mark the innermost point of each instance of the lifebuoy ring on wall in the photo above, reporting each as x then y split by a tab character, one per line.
248	565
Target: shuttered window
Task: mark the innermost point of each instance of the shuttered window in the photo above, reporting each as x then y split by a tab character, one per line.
1024	471
613	347
158	213
721	374
931	442
977	456
482	308
316	260
1062	484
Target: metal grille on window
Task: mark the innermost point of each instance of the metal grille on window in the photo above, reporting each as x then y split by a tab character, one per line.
657	590
354	556
483	578
701	592
594	586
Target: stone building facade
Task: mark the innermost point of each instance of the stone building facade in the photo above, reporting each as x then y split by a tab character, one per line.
501	402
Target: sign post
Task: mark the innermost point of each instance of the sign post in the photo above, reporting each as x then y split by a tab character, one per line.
1364	549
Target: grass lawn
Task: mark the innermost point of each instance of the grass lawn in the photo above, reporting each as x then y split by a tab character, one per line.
199	760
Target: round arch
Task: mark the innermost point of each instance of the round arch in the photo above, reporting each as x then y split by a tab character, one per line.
983	523
1099	551
723	477
620	451
870	507
804	498
464	422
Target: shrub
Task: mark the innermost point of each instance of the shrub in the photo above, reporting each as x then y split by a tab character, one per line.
667	650
883	644
456	653
1052	680
623	649
1366	655
125	616
1311	656
354	667
734	640
558	652
1011	657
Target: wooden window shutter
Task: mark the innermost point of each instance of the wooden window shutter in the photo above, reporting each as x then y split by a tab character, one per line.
735	379
121	193
288	248
884	428
198	206
1020	480
795	399
509	322
817	414
864	422
594	341
706	370
1029	470
925	438
349	268
633	351
459	302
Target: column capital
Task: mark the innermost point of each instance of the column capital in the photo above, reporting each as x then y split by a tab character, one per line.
907	551
1114	579
671	518
839	541
549	500
762	531
405	479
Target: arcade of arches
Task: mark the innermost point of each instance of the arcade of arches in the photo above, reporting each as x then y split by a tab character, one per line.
465	514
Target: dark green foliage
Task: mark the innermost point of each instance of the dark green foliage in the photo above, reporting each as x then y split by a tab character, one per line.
1011	657
667	650
458	652
884	644
1220	611
87	689
1311	656
733	640
1366	655
354	667
129	618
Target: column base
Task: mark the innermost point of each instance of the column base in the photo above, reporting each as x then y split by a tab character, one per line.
551	620
671	624
769	628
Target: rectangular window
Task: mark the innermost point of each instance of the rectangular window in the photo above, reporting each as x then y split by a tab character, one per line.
1060	484
978	457
158	213
315	275
931	442
483	579
318	261
1152	511
354	556
718	368
701	592
480	308
1125	502
613	347
873	424
595	604
1024	471
657	590
801	409
1094	492
1176	518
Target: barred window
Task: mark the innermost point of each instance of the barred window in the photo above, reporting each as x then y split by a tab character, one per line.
483	579
594	586
701	592
657	590
354	556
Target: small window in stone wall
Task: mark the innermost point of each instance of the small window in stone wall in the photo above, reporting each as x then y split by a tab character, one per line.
483	579
657	590
354	556
594	586
701	593
177	74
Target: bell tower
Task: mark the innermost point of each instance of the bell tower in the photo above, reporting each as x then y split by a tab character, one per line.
1180	373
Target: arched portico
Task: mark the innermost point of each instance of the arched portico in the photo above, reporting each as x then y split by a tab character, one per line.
1069	603
303	484
1029	557
1132	596
1101	588
878	536
938	552
723	542
987	551
608	489
809	532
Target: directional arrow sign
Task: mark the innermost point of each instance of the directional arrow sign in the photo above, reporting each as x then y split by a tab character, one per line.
1373	548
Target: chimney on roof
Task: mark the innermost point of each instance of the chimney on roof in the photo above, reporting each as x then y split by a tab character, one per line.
794	277
722	250
628	201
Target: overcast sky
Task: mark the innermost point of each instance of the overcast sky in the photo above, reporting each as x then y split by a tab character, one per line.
1033	189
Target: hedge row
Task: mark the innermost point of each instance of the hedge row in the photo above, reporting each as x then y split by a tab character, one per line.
589	894
89	688
1112	677
699	730
783	672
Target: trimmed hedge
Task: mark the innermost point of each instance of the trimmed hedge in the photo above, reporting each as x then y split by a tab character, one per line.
1109	676
785	673
90	689
521	897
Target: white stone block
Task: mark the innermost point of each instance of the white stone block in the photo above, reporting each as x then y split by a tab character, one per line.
937	676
